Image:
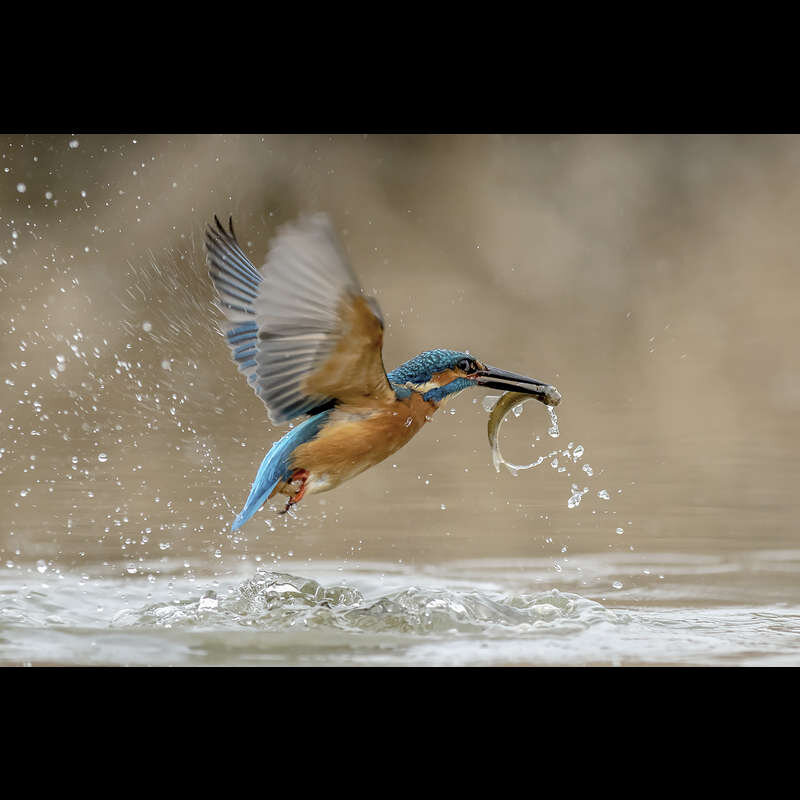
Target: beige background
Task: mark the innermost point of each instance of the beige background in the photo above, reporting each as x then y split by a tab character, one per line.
653	279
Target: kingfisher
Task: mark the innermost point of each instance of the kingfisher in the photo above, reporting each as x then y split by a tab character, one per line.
309	342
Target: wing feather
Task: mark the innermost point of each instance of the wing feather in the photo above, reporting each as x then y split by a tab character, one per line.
299	328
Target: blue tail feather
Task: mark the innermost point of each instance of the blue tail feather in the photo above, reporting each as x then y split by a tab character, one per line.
275	466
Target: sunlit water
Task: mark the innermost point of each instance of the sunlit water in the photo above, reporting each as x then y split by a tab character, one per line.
459	613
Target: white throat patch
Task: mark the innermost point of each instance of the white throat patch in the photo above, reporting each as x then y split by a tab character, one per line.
422	388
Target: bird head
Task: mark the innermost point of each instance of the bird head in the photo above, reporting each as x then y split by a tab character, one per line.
437	374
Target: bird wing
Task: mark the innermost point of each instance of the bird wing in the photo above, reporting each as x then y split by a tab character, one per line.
299	328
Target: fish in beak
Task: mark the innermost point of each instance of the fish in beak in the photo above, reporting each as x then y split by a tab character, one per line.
494	378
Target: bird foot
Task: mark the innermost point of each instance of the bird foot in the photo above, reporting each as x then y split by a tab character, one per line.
300	475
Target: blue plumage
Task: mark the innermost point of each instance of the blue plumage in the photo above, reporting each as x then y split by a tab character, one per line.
242	333
438	394
421	369
275	466
243	340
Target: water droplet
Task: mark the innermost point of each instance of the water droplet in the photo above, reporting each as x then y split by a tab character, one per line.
553	431
21	187
620	531
603	494
74	144
588	470
577	453
208	600
577	494
490	401
617	584
147	327
102	457
41	566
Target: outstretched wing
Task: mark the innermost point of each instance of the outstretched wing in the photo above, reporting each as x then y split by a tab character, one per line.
299	328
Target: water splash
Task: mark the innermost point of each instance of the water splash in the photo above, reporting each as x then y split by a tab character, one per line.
559	459
575	499
553	430
489	402
275	601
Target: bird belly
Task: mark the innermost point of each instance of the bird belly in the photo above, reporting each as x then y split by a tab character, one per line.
356	439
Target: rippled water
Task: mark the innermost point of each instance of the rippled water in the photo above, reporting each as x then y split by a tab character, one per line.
459	613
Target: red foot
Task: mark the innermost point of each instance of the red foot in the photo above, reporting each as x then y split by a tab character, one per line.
297	475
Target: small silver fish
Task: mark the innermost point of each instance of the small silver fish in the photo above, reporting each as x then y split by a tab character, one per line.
509	400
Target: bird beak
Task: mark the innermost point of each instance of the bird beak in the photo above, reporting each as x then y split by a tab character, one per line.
494	378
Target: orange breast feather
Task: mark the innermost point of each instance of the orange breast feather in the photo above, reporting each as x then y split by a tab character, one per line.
357	438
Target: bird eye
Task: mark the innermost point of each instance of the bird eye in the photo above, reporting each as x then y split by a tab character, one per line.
466	365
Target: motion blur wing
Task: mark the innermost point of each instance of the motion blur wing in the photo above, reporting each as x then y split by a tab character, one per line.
299	328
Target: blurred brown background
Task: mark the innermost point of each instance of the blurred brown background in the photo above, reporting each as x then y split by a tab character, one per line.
653	279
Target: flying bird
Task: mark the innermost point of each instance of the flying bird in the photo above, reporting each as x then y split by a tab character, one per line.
309	343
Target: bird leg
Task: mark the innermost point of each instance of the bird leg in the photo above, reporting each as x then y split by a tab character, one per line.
300	475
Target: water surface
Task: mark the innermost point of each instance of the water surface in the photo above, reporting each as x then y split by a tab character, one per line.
458	613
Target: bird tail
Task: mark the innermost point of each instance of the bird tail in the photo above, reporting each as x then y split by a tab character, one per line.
266	480
276	467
